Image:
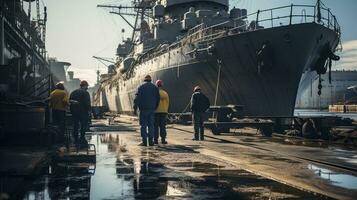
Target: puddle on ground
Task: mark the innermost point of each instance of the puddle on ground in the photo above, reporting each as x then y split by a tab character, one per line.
338	179
274	158
111	128
121	174
295	141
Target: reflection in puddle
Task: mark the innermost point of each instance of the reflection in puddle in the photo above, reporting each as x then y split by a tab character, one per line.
63	181
142	174
342	180
174	191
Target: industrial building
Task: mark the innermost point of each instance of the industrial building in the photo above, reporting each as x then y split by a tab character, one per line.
331	93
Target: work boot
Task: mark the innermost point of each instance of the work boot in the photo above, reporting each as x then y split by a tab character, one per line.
202	137
196	137
143	144
151	141
156	141
163	141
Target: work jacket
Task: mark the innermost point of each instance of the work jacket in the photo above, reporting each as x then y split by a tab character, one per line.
80	101
147	97
164	102
199	102
59	100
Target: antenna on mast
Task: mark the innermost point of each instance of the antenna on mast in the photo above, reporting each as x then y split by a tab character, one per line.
140	9
98	76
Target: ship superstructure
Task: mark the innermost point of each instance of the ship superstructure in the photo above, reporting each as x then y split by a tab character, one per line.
255	60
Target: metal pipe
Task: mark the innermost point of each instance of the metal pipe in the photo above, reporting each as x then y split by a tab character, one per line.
291	13
2	34
271	18
219	62
328	18
18	77
318	11
2	40
257	20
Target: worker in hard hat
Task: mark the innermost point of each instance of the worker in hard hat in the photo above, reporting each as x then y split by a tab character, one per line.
146	100
161	114
199	105
58	102
80	108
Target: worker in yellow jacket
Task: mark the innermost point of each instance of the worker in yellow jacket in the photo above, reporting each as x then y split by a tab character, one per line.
161	115
59	104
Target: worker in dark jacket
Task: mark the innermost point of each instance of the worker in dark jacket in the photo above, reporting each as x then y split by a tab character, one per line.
199	104
147	100
80	107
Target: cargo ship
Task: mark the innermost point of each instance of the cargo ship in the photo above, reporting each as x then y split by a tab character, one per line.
255	60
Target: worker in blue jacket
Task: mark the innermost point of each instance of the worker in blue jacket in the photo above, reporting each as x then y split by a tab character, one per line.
199	105
147	100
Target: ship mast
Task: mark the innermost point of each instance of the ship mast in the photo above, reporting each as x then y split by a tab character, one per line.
140	9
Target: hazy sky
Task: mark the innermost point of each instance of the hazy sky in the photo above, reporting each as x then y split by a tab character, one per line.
78	30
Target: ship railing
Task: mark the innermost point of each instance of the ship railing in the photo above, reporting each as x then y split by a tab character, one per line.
209	33
268	18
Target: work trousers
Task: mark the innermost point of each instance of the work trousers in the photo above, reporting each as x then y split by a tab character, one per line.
147	120
160	126
58	117
198	118
82	119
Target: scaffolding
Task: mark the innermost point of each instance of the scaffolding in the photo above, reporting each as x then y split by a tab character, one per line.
23	60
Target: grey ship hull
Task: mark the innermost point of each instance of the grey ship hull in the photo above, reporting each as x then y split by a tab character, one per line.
265	93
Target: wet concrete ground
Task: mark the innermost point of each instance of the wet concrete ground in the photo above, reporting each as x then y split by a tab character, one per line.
185	169
125	171
286	159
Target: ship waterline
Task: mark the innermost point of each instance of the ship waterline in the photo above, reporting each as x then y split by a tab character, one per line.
262	92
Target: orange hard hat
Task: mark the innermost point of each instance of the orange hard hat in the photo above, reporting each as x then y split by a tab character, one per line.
196	88
147	78
84	83
159	83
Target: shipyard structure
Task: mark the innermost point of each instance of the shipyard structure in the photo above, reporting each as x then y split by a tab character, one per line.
24	69
25	76
254	60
